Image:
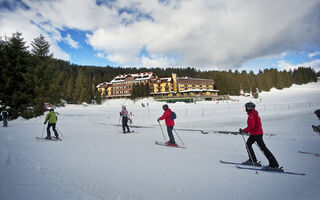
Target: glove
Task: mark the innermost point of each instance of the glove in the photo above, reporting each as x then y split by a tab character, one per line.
240	130
158	120
44	123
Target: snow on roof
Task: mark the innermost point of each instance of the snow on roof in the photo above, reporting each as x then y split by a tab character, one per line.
136	76
117	80
121	76
101	84
142	76
166	78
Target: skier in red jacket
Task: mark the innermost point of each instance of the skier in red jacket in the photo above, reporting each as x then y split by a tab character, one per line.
255	129
169	123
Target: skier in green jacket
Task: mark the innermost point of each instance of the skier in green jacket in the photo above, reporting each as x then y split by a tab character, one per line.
52	118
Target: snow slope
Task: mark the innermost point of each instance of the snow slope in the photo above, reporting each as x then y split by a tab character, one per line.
96	161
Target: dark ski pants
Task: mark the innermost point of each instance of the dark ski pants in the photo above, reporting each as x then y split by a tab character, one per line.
125	124
258	138
53	125
170	134
5	122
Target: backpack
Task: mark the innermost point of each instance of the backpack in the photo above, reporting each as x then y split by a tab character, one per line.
5	114
173	115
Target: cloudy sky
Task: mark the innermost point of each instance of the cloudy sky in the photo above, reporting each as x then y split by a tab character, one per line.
205	34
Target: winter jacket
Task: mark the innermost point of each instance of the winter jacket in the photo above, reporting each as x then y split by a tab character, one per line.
167	117
51	117
124	113
4	114
254	124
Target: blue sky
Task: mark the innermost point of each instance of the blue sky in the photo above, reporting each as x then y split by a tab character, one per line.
207	35
82	53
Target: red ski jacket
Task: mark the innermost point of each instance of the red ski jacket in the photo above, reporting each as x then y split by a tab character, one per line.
254	124
167	117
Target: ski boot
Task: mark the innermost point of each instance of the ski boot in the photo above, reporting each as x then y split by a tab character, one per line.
270	168
250	162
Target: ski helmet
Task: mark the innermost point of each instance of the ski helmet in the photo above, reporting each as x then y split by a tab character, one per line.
123	107
165	107
51	109
249	106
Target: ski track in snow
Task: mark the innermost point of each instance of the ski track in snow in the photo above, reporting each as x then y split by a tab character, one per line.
95	161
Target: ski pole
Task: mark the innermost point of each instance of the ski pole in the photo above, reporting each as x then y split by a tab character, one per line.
248	151
178	136
162	131
42	130
119	123
59	132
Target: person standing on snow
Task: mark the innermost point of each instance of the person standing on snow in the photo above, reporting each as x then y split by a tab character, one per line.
52	118
256	133
169	123
5	115
125	118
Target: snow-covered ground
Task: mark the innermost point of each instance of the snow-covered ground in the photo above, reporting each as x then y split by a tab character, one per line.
96	161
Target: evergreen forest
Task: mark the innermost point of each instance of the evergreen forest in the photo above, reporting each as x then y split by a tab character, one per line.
31	77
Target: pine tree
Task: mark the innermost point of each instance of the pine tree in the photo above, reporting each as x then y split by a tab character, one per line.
41	47
16	88
70	90
46	83
82	88
98	97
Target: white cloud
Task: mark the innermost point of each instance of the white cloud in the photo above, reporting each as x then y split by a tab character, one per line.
157	61
100	55
71	42
21	21
201	33
284	65
210	33
313	54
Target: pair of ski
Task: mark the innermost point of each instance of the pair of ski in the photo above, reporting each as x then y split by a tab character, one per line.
128	132
305	152
165	144
260	168
52	139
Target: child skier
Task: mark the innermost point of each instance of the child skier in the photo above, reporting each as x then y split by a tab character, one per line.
169	123
125	118
5	115
255	129
52	118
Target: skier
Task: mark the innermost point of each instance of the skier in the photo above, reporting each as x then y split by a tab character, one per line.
169	123
52	118
317	128
125	118
256	133
5	115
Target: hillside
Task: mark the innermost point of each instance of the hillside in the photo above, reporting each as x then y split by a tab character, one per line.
96	161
